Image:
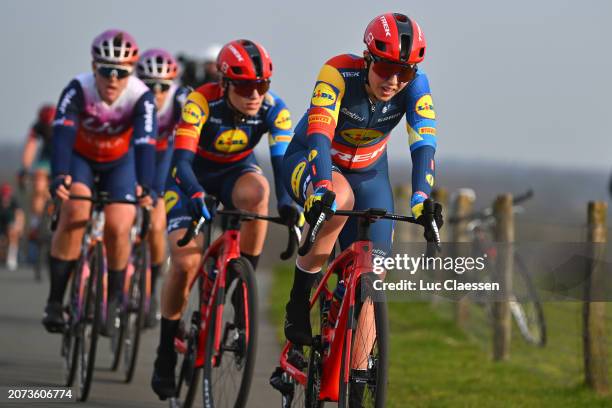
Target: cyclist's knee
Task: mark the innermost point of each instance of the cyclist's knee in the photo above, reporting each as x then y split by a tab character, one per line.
345	199
73	215
184	266
251	192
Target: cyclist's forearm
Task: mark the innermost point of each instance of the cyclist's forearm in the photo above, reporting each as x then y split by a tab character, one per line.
282	197
182	172
423	172
319	158
145	164
63	142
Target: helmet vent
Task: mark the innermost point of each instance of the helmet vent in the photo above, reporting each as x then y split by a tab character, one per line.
380	45
421	52
237	70
400	18
404	47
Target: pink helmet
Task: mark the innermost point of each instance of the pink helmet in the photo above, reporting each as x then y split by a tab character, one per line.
114	47
157	64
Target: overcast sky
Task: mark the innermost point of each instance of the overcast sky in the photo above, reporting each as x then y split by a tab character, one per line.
522	80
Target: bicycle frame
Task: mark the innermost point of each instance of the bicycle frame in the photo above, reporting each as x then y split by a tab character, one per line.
225	248
349	265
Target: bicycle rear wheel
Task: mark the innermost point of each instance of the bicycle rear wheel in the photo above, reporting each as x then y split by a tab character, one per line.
228	374
135	314
89	326
526	307
365	383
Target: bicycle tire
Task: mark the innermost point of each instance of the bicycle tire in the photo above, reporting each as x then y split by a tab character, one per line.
528	315
245	341
70	341
135	319
89	356
374	381
189	374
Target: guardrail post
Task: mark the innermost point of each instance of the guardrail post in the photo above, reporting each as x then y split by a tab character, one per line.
462	207
594	312
504	236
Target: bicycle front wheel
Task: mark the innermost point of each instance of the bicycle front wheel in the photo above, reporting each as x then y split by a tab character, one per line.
89	326
135	314
363	372
228	372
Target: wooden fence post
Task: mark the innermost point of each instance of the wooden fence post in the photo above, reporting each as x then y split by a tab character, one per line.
462	207
504	236
404	232
594	309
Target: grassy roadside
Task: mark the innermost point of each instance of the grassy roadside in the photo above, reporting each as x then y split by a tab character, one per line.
434	364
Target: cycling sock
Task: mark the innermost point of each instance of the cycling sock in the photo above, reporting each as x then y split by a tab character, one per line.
115	283
168	331
253	259
60	274
302	283
155	270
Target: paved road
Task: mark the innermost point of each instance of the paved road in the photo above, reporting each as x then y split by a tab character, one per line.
30	357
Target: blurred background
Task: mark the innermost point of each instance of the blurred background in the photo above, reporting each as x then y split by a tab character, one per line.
522	93
521	88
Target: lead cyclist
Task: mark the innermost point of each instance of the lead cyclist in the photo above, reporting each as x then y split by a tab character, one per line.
340	145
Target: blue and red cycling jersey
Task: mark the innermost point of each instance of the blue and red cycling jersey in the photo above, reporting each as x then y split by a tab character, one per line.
212	136
102	133
344	128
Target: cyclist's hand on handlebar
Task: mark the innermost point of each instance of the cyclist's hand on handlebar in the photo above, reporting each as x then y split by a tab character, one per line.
291	215
313	206
197	206
60	186
431	211
146	196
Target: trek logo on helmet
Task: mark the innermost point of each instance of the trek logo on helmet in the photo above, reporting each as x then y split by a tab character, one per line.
383	20
236	53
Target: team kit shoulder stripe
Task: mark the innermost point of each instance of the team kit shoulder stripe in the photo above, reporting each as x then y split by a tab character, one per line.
325	102
346	61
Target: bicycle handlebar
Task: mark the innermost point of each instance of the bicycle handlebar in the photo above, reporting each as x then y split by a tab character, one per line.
373	214
293	230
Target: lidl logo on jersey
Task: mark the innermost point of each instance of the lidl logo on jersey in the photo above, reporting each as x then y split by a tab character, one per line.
192	113
283	120
424	107
324	95
170	199
232	141
361	136
296	176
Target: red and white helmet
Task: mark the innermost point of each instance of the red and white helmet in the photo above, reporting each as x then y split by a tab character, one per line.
157	64
114	47
244	60
396	38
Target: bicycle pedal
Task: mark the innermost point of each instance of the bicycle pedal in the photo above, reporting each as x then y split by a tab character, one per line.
296	357
277	382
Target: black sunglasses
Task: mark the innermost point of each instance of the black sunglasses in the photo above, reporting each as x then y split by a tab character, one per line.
110	71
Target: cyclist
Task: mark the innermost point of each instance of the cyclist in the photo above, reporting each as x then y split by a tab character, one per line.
105	124
11	224
158	69
339	145
37	157
200	70
220	125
